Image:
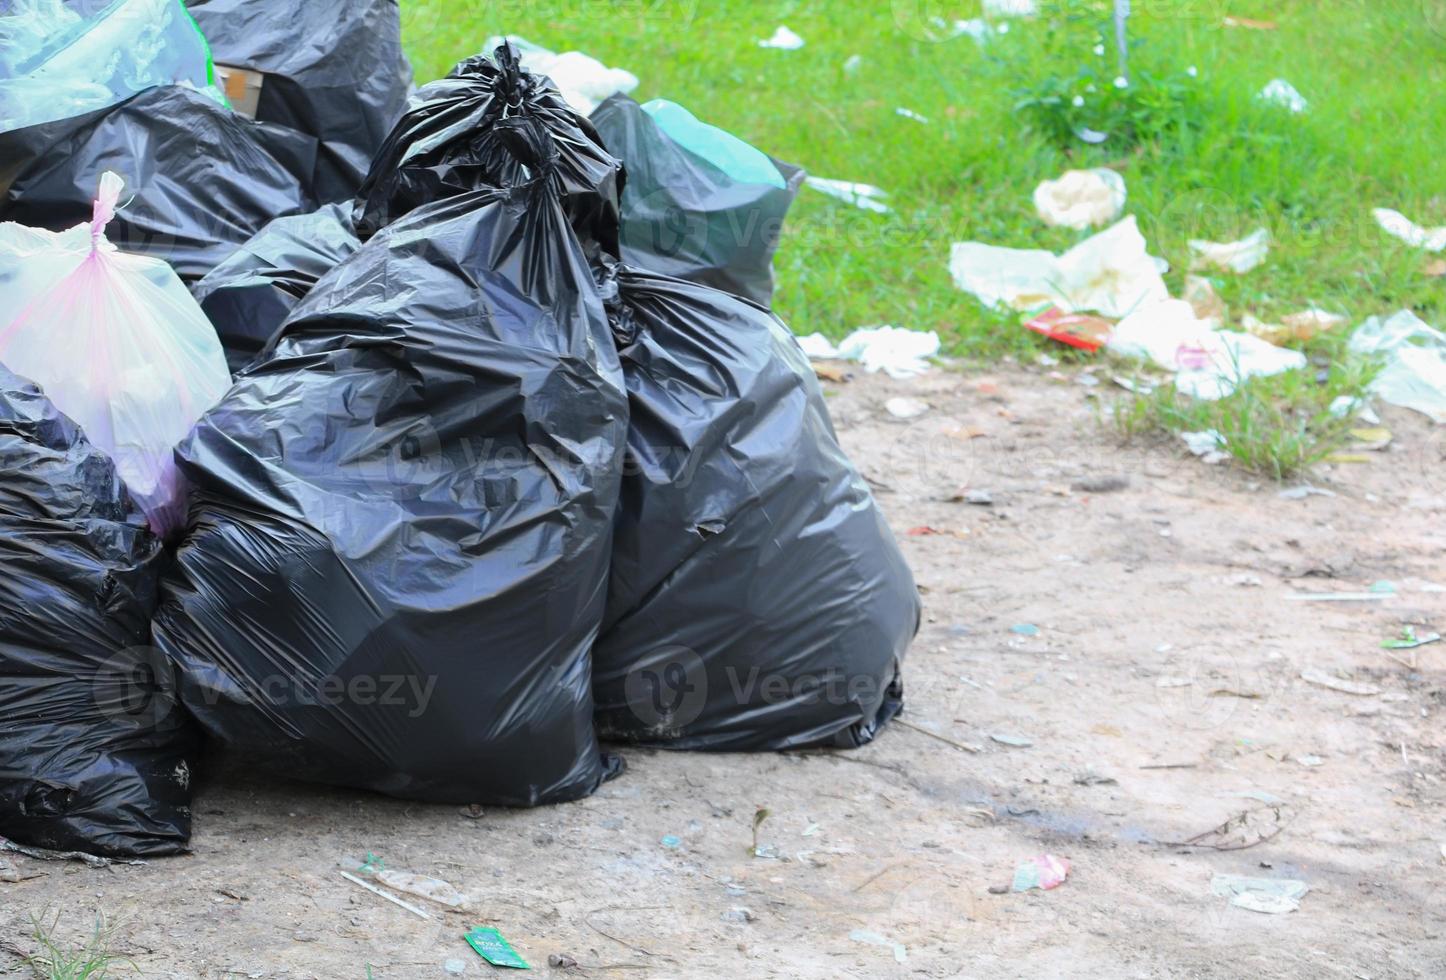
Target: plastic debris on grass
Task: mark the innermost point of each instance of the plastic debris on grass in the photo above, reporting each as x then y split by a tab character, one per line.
1302	326
1080	199
1206	444
1279	92
865	196
1081	330
898	352
1009	8
583	80
783	39
1399	226
1414	375
1046	871
1208	362
1239	256
1111	273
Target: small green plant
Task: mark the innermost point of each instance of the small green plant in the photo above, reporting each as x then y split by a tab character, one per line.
1277	426
93	961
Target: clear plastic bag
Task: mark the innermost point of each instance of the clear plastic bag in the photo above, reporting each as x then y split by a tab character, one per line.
117	343
57	62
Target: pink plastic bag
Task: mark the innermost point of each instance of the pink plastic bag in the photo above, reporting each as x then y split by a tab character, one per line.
117	343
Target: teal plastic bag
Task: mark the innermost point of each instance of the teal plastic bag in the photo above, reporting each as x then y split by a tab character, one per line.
57	62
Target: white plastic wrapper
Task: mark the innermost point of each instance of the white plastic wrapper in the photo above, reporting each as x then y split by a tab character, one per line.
1399	226
1237	257
897	352
1415	373
116	342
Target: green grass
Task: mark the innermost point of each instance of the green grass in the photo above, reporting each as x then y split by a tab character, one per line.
1200	156
57	961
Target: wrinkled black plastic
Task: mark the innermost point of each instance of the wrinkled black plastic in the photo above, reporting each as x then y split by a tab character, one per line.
94	754
333	69
758	600
200	179
250	294
415	486
683	217
460	136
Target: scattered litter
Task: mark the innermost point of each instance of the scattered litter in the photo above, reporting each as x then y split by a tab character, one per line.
1269	895
865	196
1167	682
1238	257
911	114
1399	226
906	408
1009	8
455	967
1080	199
1025	629
1091	778
671	842
1013	741
561	961
898	352
1242	831
1111	273
1409	640
1209	363
583	81
41	854
1082	330
1303	491
386	895
900	951
853	64
1204	300
1310	761
978	497
1254	25
1384	585
1207	445
1345	406
1281	93
1044	871
1414	375
976	27
433	889
1337	596
492	947
783	39
1306	324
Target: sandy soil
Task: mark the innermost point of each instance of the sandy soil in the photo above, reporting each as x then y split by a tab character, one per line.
1161	696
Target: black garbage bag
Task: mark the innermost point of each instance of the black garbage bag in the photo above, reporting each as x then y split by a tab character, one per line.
332	69
713	221
457	138
402	515
757	600
203	179
249	295
95	756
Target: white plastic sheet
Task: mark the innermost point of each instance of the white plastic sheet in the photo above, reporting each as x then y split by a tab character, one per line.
1209	363
1238	257
1281	93
117	343
1415	352
782	39
898	352
1111	273
865	196
1399	226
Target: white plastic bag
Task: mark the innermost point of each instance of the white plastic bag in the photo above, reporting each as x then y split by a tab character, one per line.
583	81
1081	198
56	63
1414	375
117	343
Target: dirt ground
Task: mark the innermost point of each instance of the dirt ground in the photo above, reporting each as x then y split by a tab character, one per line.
1161	696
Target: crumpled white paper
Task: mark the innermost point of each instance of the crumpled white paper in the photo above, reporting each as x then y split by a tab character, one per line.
1239	257
898	352
1398	225
1111	273
583	80
1080	199
1209	363
1415	373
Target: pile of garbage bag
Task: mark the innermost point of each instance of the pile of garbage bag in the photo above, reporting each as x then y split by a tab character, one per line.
487	492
